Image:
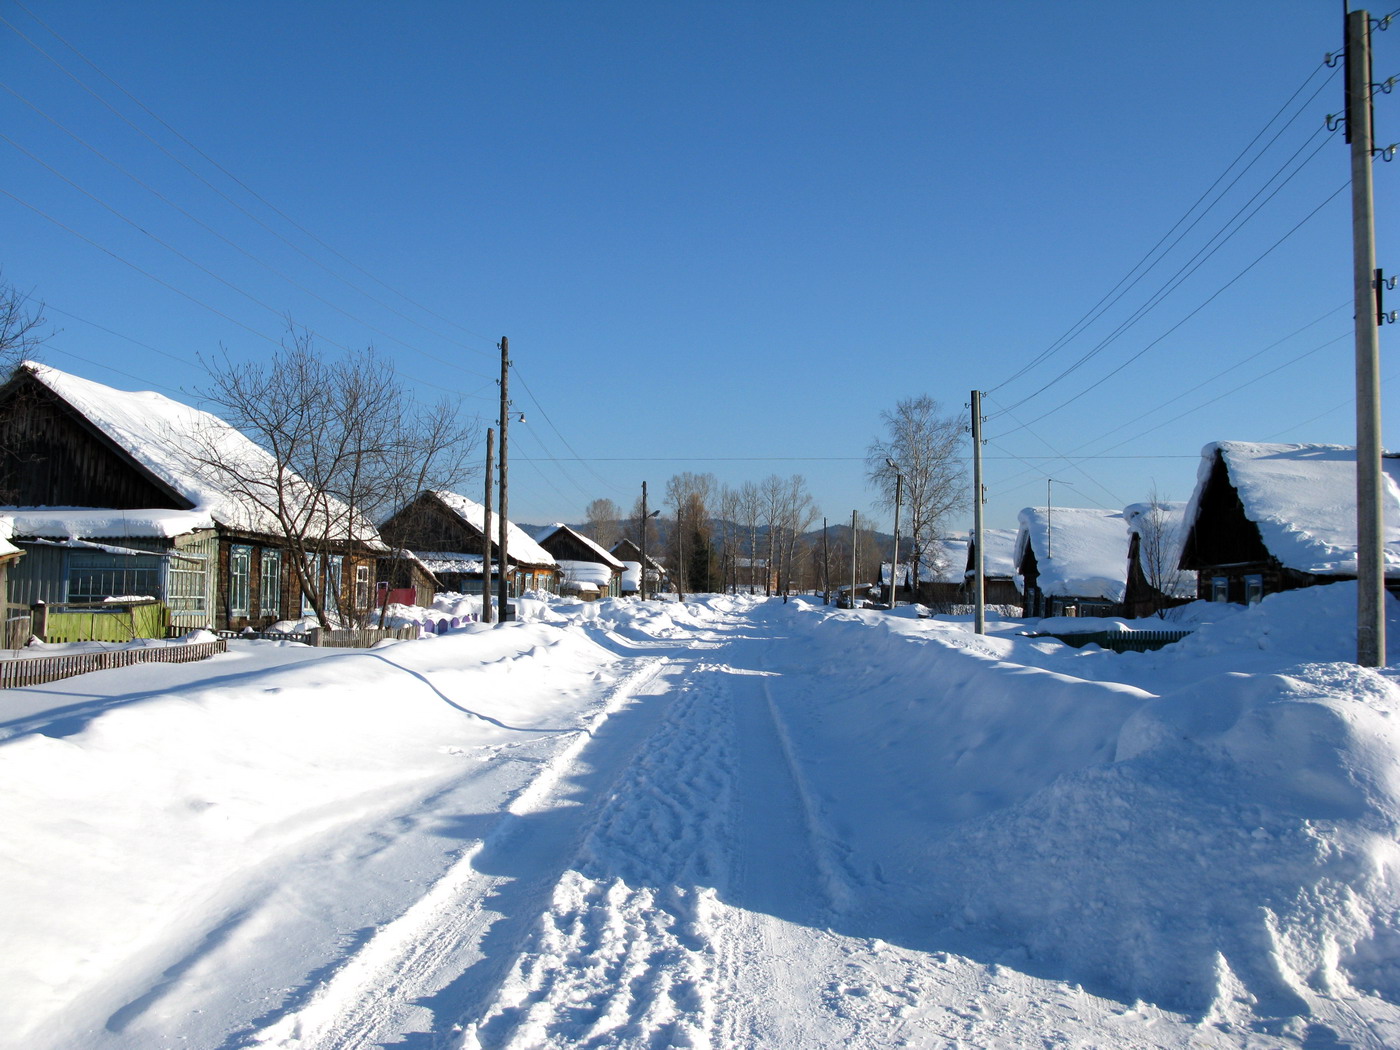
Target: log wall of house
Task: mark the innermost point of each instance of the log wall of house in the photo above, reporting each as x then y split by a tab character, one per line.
51	458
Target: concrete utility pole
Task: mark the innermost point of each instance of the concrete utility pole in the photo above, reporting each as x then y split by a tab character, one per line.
1370	526
486	528
979	593
502	542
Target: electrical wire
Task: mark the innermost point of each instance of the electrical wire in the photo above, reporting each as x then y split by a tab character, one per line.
1095	312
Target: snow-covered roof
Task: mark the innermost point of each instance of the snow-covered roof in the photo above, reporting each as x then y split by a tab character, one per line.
998	553
519	544
168	439
1168	517
942	562
586	571
1078	551
603	557
1303	499
6	532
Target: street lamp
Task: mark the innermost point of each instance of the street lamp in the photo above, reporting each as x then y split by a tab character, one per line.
894	566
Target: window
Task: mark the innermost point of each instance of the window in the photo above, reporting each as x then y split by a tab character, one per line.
270	584
1219	589
1253	589
93	577
186	578
362	586
240	575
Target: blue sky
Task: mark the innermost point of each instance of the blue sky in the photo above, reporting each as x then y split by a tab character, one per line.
721	237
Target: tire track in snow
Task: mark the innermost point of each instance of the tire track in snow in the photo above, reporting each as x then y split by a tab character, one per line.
624	957
416	956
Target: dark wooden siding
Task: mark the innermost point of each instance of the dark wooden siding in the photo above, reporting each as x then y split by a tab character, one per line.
51	457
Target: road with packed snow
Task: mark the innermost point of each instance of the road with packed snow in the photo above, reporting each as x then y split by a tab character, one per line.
729	824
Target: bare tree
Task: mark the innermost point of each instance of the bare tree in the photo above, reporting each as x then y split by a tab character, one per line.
603	522
750	513
21	326
342	443
1159	551
926	448
692	552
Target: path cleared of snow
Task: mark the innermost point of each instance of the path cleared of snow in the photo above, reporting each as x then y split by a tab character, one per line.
728	823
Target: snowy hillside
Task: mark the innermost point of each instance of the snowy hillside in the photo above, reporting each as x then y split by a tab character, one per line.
726	823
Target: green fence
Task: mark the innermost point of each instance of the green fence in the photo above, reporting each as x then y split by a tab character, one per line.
101	621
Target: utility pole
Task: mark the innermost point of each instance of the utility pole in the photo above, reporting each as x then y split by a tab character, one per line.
644	541
502	542
826	567
894	564
979	594
1370	565
853	559
486	528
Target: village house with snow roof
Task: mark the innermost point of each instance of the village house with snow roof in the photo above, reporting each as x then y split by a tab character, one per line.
1000	583
1073	560
586	569
1155	580
109	497
940	584
630	554
451	536
1266	518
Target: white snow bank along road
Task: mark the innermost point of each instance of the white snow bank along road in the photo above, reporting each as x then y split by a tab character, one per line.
179	859
1227	849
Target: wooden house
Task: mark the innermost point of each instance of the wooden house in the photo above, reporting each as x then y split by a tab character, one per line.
1074	561
940	583
1267	518
108	498
630	554
1001	585
586	570
452	537
404	579
1156	581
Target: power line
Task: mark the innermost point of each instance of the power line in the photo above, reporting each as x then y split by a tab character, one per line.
1095	312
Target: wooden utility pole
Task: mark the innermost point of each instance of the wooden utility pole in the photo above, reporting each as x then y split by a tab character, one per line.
853	559
826	567
502	542
486	528
1370	564
979	593
645	519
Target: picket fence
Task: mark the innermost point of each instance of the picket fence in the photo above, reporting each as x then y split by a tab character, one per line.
22	671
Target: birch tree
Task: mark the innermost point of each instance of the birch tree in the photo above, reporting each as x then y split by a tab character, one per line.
927	449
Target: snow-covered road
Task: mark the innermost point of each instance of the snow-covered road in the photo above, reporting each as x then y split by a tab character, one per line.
730	824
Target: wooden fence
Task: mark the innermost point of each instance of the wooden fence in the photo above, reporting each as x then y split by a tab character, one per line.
1120	641
23	671
353	638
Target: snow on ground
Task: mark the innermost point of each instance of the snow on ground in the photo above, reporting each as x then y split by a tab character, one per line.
725	822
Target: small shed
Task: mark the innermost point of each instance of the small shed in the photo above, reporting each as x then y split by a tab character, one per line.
1074	561
1001	585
